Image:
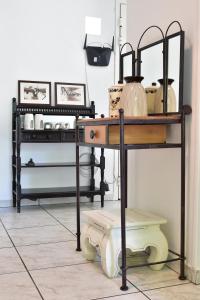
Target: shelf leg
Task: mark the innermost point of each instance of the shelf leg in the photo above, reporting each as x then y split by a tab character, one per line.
92	180
123	191
19	198
102	184
14	195
182	229
78	233
18	162
14	190
126	177
14	158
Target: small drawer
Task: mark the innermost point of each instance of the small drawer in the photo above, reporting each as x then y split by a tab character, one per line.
133	134
96	134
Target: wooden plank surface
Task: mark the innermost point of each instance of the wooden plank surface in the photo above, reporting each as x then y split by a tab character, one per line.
148	120
145	118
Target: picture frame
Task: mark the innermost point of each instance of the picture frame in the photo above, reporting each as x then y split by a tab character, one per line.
34	93
70	94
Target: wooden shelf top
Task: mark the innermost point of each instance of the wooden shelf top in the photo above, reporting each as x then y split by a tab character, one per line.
156	119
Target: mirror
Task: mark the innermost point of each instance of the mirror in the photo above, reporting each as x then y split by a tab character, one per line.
150	63
127	63
153	66
150	66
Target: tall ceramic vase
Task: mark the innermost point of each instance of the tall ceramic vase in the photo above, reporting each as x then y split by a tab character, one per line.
133	98
171	98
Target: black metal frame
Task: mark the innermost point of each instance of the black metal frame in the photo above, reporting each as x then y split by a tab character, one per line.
181	65
67	83
122	147
20	136
165	42
121	61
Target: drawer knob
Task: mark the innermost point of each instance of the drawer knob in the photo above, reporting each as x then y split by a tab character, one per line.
92	134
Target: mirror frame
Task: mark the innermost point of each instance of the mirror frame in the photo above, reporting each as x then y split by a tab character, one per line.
181	65
165	52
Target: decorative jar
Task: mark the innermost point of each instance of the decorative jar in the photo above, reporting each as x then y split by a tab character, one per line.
115	92
171	98
151	94
133	98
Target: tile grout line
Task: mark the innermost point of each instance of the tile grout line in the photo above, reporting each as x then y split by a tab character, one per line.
139	289
167	286
7	273
57	220
36	244
23	263
28	227
10	247
47	243
63	266
158	288
113	296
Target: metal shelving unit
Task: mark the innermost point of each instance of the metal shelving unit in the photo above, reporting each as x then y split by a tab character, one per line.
167	119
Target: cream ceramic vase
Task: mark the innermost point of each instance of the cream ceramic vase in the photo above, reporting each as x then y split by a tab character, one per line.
115	92
171	98
133	98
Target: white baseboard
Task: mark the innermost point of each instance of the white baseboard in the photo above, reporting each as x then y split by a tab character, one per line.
193	275
5	203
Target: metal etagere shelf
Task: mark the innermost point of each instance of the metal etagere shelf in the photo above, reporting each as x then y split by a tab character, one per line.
167	119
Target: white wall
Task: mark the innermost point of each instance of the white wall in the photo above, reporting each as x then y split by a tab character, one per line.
43	40
156	173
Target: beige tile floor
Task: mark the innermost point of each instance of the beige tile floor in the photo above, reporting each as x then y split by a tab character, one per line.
38	261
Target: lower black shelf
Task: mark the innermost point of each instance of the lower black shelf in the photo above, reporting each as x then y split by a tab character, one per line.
54	165
53	192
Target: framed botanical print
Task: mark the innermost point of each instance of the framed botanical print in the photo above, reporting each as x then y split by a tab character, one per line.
34	93
70	94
